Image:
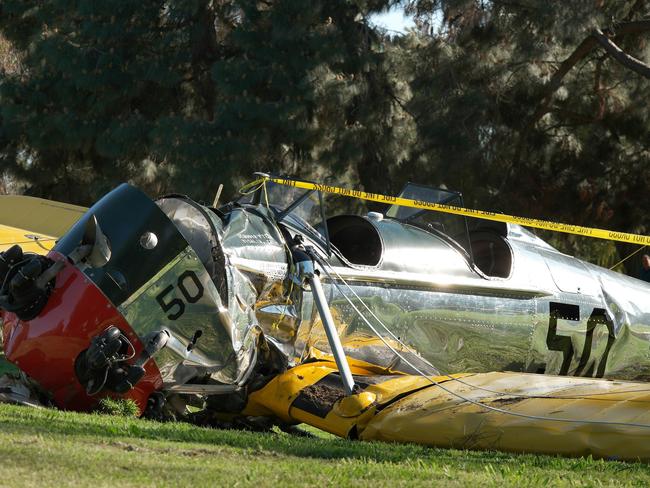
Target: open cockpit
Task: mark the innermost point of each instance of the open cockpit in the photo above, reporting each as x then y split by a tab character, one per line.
479	246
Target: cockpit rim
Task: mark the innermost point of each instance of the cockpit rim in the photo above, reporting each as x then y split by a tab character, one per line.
320	235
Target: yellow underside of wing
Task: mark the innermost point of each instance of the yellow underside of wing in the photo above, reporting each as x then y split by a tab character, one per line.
514	412
29	241
34	223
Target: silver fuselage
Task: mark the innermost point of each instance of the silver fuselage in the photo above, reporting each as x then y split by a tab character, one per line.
547	312
403	297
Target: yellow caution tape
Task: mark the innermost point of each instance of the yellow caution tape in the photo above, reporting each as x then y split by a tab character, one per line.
468	212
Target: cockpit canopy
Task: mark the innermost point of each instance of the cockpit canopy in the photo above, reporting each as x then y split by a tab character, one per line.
482	244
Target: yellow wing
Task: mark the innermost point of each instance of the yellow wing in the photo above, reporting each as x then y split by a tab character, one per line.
34	223
29	241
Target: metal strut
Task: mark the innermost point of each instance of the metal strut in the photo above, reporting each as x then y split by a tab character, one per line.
306	273
332	333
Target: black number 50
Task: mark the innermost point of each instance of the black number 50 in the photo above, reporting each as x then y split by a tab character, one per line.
564	344
176	303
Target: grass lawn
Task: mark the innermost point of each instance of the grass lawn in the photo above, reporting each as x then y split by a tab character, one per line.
41	447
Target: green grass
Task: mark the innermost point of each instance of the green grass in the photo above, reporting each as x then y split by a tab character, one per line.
41	447
125	408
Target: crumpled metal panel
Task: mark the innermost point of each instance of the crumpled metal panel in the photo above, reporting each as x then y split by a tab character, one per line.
256	267
219	351
255	246
602	330
626	302
183	299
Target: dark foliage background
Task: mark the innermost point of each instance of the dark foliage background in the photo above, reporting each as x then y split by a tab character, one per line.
534	107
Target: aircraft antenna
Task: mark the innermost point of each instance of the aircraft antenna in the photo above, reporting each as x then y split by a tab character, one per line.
216	197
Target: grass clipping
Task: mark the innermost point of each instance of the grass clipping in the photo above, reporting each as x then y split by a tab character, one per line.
118	406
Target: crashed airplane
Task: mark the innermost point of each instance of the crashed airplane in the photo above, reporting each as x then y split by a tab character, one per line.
406	325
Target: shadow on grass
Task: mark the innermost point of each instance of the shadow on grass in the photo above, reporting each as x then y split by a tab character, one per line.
24	420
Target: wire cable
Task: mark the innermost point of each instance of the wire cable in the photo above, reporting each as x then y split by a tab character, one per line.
469	400
629	256
401	343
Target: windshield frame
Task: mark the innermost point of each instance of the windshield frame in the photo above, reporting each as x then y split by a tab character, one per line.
411	219
286	215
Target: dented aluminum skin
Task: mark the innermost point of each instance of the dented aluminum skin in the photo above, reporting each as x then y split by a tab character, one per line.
514	304
533	310
465	310
552	314
224	286
209	292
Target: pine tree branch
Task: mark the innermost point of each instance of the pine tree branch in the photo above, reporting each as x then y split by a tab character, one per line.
627	28
585	47
555	82
582	51
401	104
638	6
619	55
598	87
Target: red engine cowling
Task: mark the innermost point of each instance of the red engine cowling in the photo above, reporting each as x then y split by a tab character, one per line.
65	316
46	347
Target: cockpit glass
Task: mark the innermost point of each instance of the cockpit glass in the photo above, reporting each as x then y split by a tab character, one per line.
296	202
303	211
298	208
453	226
425	194
280	197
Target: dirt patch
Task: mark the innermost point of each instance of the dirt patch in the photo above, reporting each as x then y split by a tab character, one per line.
127	447
319	398
324	395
